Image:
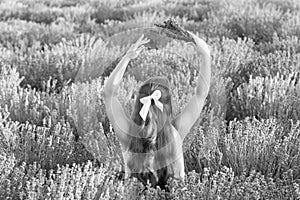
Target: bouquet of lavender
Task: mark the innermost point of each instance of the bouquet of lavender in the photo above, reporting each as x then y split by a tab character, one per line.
173	30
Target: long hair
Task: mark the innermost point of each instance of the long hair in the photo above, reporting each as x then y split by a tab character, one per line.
155	133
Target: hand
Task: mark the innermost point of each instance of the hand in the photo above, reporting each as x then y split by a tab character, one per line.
136	48
199	45
195	38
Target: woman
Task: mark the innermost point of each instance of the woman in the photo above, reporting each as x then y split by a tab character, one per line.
151	140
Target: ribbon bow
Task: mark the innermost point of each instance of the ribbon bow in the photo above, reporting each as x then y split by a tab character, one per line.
146	101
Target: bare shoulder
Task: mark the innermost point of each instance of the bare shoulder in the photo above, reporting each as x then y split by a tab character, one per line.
176	134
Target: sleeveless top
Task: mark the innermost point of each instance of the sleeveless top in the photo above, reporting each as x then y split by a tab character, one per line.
161	166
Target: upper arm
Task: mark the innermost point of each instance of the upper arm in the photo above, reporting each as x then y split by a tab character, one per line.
189	115
119	119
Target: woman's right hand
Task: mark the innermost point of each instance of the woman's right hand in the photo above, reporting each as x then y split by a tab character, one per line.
200	45
136	48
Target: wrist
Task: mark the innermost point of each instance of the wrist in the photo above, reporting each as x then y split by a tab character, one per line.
203	51
126	58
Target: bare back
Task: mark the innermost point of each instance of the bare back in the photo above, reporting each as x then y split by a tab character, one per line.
162	164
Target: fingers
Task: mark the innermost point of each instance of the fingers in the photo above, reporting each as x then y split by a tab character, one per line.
135	45
133	53
195	37
144	41
141	41
192	34
138	46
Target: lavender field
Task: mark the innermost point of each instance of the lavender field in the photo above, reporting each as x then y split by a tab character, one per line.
56	141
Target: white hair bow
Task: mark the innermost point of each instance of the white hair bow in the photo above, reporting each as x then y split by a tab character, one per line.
146	101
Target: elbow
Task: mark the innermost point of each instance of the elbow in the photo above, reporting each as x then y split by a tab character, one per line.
107	92
202	93
109	89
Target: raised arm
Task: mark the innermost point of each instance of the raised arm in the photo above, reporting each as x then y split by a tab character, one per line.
118	118
186	119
